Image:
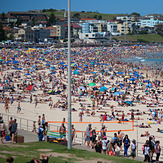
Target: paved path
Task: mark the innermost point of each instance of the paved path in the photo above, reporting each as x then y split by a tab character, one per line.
28	136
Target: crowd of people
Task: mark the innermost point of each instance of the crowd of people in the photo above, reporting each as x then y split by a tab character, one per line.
101	144
105	86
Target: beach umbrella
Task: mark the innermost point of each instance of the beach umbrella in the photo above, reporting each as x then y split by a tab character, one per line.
32	70
120	73
132	79
85	65
73	64
92	84
103	88
19	68
81	87
122	85
127	77
149	85
93	72
15	62
116	93
52	73
76	72
113	89
50	91
136	75
27	74
61	63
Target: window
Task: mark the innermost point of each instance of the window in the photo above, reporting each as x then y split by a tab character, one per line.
52	30
86	35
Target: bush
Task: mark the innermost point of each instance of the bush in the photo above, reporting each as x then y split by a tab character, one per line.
142	40
143	32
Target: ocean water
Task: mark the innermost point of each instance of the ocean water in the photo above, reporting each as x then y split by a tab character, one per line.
149	59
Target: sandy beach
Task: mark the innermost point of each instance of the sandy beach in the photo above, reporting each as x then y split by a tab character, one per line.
122	86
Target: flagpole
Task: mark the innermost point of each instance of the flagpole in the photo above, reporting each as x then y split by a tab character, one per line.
69	77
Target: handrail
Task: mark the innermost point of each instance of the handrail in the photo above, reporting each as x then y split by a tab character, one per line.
79	139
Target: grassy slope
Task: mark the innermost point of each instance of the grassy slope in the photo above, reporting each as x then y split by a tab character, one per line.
147	37
60	14
25	154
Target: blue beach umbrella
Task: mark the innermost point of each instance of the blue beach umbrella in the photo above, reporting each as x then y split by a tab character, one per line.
120	73
103	88
27	74
76	72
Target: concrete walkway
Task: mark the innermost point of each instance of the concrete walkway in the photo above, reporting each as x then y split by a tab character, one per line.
28	136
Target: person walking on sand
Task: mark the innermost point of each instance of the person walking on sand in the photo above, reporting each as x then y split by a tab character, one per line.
36	101
18	108
39	120
43	119
6	106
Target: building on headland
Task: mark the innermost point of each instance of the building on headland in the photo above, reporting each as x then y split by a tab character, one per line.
150	21
56	32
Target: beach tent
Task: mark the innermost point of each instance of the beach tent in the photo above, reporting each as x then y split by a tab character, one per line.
92	84
93	72
129	102
29	87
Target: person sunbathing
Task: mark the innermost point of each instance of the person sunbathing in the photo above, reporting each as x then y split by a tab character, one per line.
147	134
159	130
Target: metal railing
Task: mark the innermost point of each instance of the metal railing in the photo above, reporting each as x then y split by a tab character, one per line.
27	124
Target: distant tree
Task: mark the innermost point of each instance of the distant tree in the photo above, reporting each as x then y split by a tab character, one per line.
159	29
34	22
135	14
142	40
44	10
95	17
99	17
83	11
52	20
143	32
76	15
3	16
18	22
11	24
11	37
2	33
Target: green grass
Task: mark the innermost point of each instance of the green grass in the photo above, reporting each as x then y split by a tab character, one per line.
60	15
146	37
25	152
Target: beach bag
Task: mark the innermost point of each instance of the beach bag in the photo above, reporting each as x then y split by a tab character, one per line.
143	149
7	137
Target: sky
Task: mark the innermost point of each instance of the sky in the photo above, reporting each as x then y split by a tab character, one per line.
143	7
